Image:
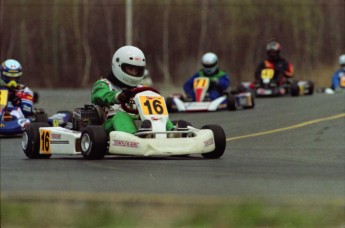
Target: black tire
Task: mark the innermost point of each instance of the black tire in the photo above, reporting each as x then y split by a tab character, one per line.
311	88
294	89
252	100
93	142
31	141
187	122
36	97
169	103
219	141
231	103
41	117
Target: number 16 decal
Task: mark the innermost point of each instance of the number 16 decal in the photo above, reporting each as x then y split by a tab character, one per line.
45	141
153	105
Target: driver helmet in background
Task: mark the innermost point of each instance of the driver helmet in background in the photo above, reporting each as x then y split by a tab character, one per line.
128	65
11	72
209	62
273	49
342	61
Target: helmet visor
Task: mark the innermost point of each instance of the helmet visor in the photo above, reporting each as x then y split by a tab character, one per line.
273	54
208	65
136	71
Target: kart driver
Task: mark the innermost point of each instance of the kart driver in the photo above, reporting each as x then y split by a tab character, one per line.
20	97
338	78
219	80
128	66
283	69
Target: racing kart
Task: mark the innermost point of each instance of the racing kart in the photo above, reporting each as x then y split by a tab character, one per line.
228	101
268	85
340	89
13	121
89	139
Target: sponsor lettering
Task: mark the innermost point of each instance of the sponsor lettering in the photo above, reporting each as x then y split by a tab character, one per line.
59	142
56	136
125	143
208	142
27	108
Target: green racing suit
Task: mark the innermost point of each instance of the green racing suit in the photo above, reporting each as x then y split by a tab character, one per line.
104	95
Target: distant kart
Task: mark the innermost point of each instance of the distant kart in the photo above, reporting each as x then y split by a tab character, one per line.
268	86
13	121
89	139
202	103
339	89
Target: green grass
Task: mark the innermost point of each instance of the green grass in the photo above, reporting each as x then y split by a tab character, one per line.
118	210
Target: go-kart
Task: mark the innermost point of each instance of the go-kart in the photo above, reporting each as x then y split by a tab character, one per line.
269	86
13	121
89	139
228	101
339	89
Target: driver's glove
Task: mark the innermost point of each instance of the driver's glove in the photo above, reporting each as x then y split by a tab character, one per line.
214	85
16	101
125	96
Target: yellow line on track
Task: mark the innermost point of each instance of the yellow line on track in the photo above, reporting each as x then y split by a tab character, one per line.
287	128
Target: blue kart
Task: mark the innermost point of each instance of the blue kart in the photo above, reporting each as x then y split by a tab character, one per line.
13	121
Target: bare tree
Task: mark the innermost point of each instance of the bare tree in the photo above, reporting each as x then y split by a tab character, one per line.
109	25
164	65
203	30
85	44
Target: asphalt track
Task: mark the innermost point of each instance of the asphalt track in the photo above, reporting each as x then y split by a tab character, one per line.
285	147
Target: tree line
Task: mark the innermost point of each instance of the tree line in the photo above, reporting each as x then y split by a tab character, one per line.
70	43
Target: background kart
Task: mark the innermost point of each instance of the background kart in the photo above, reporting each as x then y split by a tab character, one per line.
202	103
14	124
88	138
268	86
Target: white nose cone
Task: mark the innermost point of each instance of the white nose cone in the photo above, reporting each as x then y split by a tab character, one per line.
329	91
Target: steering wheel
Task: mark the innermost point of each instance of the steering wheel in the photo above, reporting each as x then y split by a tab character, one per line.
134	91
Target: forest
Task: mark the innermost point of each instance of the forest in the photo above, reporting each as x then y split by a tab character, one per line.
70	43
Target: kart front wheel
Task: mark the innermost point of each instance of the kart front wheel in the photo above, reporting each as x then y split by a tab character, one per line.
231	102
219	141
93	142
31	141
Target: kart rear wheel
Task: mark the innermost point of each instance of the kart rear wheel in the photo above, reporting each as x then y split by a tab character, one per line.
219	141
294	89
41	117
31	141
231	102
252	101
169	103
311	87
93	142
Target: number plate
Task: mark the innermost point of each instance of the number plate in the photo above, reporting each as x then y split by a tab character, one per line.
201	82
153	105
3	97
45	136
267	73
342	81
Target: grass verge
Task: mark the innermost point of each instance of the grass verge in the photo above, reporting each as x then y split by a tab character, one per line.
125	210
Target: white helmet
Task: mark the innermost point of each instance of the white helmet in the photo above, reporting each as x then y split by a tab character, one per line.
128	65
209	62
342	60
